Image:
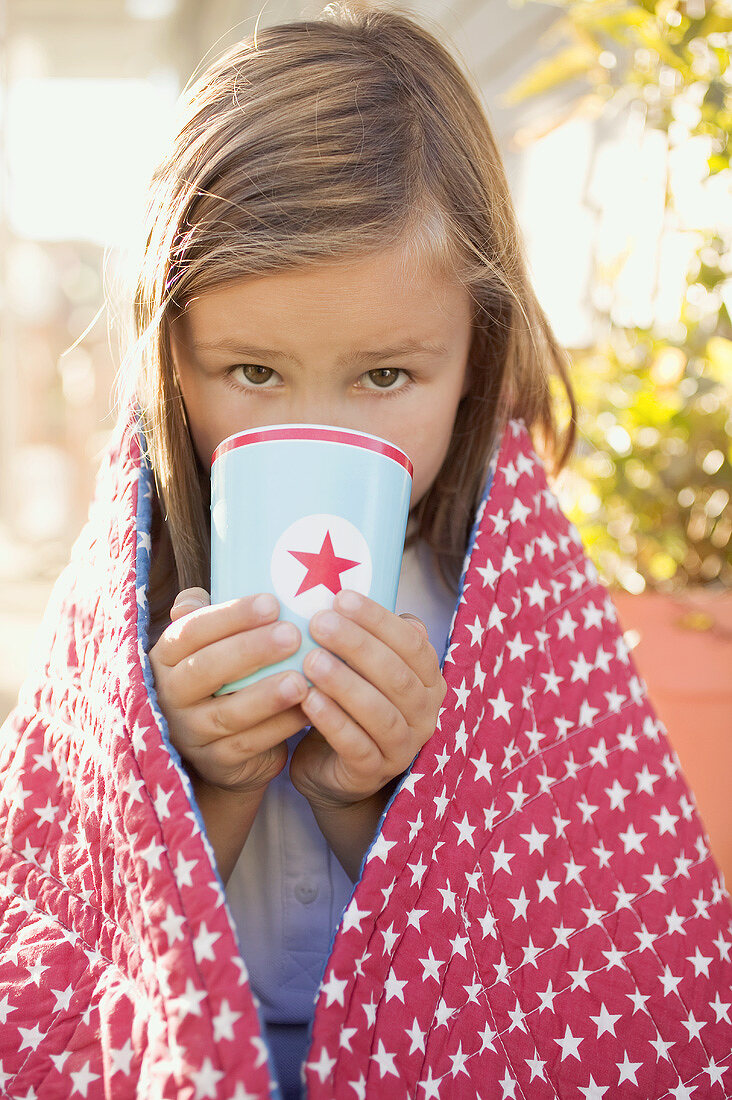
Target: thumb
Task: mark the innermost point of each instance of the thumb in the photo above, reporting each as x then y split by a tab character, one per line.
417	622
190	599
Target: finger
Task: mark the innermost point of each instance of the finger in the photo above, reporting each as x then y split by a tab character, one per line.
229	659
374	661
254	718
247	744
357	759
369	711
398	634
189	600
201	627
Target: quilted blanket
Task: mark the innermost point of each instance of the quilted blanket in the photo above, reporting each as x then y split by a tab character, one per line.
539	915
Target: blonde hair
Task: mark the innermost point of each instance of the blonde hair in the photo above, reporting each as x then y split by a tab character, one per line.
319	140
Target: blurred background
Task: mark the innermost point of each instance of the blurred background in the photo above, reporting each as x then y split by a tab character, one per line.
614	122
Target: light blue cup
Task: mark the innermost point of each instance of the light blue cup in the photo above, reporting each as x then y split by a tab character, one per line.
303	510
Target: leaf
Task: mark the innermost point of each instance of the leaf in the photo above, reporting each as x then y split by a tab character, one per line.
718	162
714	23
662	566
651	38
617	25
574	61
719	361
655	408
722	57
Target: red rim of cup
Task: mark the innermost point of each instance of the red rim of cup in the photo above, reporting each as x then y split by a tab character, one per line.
314	431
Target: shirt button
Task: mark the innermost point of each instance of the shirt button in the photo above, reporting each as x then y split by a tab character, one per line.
306	892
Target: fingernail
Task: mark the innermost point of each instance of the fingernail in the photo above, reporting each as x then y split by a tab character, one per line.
321	661
265	604
290	688
326	622
285	633
190	602
349	601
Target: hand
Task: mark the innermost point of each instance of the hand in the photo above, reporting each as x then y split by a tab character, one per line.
376	714
236	741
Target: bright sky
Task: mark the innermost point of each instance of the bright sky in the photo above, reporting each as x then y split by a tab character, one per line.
80	153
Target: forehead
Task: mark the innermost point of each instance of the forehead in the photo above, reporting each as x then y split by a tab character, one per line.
371	296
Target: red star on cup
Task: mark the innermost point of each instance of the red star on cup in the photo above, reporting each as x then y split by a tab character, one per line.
322	568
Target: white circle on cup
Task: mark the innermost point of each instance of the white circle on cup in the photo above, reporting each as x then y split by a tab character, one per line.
219	517
314	558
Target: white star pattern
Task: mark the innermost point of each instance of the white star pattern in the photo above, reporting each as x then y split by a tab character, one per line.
538	916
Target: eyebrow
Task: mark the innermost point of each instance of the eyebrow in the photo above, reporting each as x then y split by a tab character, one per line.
406	347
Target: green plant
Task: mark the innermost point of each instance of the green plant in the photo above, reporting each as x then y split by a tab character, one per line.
651	480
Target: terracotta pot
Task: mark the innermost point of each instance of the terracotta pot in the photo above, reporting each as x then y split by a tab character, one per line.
682	647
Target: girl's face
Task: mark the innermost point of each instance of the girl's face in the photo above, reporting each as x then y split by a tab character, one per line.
328	345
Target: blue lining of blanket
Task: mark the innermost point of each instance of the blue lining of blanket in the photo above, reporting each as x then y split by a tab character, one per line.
145	489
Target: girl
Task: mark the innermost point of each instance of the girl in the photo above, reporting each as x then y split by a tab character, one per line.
448	876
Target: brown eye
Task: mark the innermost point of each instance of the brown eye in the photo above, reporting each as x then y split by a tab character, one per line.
383	371
255	375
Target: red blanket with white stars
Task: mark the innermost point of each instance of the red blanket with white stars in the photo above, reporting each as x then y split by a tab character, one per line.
538	916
